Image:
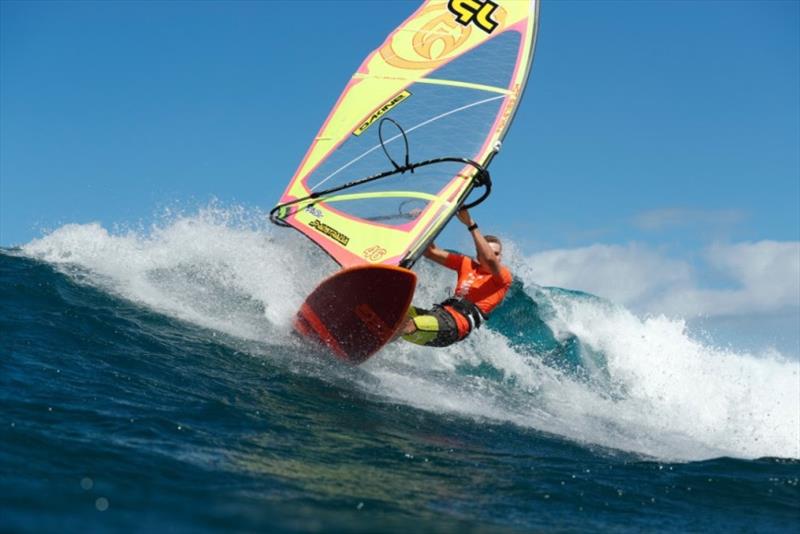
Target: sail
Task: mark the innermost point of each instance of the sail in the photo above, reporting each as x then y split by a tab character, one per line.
450	78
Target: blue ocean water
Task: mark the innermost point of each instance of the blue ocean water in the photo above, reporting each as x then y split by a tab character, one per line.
149	383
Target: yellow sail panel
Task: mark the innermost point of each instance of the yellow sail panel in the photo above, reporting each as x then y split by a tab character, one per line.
451	75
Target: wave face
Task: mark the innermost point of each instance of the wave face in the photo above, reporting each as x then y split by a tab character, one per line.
154	378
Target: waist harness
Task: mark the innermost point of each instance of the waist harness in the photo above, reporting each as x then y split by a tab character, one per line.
468	309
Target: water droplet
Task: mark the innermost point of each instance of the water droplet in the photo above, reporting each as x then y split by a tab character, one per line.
101	504
87	483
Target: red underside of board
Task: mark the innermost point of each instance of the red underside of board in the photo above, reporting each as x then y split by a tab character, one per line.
357	311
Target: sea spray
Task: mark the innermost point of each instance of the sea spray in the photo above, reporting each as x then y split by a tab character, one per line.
237	278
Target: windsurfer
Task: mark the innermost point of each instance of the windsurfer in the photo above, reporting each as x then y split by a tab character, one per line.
482	284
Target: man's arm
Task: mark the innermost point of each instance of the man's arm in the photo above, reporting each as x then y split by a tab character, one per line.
486	256
436	254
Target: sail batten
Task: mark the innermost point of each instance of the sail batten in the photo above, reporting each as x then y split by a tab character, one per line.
452	83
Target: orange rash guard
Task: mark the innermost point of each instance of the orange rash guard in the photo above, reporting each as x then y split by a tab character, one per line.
476	286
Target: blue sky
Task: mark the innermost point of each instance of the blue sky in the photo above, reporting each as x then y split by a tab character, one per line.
661	132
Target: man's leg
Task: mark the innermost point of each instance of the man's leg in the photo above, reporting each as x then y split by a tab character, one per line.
431	328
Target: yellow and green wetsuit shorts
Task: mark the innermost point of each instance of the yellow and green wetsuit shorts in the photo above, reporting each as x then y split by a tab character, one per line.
435	328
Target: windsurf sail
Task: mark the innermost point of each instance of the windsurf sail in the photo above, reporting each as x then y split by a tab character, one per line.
412	133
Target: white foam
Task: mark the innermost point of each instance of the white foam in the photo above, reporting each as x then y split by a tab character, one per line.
666	394
711	400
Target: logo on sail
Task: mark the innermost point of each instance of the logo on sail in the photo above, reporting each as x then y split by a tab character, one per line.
334	234
473	11
381	111
438	36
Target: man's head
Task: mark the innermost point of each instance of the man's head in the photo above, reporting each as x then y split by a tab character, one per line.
495	245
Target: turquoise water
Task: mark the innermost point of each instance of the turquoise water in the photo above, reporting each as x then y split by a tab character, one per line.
149	384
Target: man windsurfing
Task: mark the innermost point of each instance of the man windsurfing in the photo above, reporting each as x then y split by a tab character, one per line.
482	284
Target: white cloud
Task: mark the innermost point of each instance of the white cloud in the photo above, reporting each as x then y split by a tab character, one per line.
762	277
766	275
